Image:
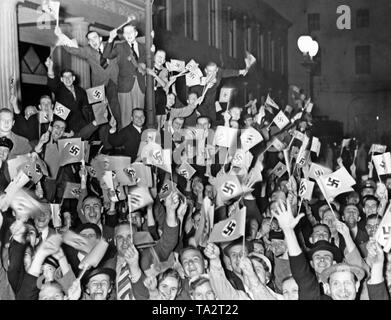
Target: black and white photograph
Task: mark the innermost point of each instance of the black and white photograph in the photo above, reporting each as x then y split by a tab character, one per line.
207	152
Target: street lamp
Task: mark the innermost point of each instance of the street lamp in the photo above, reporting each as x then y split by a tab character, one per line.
309	49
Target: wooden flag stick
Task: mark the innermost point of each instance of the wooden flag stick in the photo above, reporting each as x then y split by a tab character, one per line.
85	268
130	215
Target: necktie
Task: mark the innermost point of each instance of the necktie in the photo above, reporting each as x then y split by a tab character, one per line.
124	291
134	51
103	61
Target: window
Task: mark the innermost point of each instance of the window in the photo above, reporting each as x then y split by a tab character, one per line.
363	60
232	35
282	60
313	22
261	46
362	18
162	14
247	39
189	19
213	19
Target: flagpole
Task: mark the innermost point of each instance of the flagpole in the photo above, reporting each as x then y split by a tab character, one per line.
130	216
301	202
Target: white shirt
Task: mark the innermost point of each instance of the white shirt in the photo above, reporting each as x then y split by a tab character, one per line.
137	128
135	47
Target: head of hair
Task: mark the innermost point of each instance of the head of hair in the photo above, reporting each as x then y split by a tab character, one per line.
198	282
138	109
45	96
92	31
211	64
67	70
170	273
6	110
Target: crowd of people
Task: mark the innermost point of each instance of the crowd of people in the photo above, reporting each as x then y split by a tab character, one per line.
214	203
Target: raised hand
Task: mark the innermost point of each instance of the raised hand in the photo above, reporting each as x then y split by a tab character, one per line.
172	202
342	228
212	252
150	283
285	218
113	35
74	292
132	256
375	253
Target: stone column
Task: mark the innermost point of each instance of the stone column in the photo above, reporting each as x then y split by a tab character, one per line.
79	29
9	50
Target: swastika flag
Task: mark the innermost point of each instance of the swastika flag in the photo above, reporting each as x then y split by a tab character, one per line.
96	94
382	163
72	191
229	187
61	111
378	148
316	170
306	188
250	138
384	230
71	151
281	120
229	229
335	183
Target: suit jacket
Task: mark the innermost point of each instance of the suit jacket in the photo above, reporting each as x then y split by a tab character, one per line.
81	113
129	138
127	70
99	75
208	108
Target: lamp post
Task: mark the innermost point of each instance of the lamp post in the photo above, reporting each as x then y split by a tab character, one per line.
309	49
150	95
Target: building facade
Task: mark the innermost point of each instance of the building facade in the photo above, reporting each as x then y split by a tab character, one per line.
222	31
204	30
351	83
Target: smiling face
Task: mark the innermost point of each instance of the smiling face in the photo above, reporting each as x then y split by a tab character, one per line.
68	79
94	40
41	221
92	210
58	130
320	232
123	238
193	263
329	219
343	286
372	225
138	118
130	33
169	288
160	58
321	260
6	122
99	287
351	216
370	207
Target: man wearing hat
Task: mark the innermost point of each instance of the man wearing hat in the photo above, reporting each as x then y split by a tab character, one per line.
98	284
6	146
368	187
342	281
